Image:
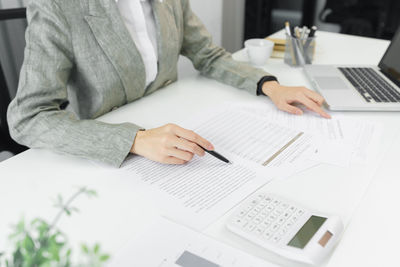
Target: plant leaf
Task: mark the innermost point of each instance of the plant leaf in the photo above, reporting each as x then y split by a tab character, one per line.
85	249
104	257
96	248
28	244
67	211
91	193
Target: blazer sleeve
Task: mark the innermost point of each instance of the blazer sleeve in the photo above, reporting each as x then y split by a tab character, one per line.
35	116
213	61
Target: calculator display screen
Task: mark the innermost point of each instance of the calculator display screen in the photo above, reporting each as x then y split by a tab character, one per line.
304	235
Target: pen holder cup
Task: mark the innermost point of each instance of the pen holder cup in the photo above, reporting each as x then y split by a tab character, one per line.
299	52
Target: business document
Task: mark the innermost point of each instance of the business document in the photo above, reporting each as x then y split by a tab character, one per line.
199	192
178	246
343	139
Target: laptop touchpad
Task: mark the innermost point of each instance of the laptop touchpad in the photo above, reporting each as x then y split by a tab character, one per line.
330	83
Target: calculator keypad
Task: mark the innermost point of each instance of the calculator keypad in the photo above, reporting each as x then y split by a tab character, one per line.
267	218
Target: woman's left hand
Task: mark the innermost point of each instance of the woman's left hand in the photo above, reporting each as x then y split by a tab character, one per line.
285	96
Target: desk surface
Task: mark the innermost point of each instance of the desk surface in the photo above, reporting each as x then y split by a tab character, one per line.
29	180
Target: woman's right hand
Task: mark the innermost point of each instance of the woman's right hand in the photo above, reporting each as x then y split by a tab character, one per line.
169	144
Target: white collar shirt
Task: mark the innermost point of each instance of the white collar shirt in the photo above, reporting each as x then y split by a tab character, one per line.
139	19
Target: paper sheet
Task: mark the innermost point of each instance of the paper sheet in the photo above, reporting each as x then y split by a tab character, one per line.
204	189
199	192
342	140
255	139
166	244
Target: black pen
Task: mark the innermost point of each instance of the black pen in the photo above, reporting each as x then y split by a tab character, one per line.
312	31
217	155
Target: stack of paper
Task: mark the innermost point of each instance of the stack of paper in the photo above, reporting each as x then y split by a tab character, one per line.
165	244
262	143
343	140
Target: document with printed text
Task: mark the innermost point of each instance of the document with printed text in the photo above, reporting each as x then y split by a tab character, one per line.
201	191
343	140
190	249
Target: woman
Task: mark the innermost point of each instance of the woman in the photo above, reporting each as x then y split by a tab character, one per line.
85	57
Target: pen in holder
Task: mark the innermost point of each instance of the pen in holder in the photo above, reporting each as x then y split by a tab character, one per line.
299	51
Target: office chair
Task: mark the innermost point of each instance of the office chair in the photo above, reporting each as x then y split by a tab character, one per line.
6	142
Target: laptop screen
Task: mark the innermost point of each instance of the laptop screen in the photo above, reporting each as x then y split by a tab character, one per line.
390	63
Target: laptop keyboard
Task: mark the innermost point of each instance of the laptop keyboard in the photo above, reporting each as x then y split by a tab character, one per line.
371	85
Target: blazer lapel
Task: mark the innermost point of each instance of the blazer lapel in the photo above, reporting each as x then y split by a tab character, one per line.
116	42
161	34
166	42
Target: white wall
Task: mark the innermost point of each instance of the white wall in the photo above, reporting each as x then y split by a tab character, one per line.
210	13
233	25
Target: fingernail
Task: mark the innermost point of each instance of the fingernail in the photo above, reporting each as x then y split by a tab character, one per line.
210	147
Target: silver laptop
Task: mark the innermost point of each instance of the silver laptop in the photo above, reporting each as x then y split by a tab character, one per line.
375	88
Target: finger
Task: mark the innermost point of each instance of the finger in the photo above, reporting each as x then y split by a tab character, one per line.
184	144
180	154
291	109
314	96
173	160
313	106
193	137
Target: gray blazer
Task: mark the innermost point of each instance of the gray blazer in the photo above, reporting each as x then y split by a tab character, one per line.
79	54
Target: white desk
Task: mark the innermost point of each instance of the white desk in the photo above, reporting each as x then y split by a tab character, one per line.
29	180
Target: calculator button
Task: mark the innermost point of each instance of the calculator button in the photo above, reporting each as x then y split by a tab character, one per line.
268	199
282	231
295	218
257	220
251	215
284	206
288	225
254	202
277	212
286	215
241	213
267	235
269	208
266	224
250	227
279	209
248	208
275	227
300	212
240	222
281	220
276	239
259	231
261	196
275	202
292	209
257	209
271	218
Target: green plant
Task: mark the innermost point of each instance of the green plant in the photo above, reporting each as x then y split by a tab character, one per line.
41	244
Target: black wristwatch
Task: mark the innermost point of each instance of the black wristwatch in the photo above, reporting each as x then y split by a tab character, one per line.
262	81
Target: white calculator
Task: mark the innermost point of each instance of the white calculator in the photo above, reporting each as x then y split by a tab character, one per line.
286	228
